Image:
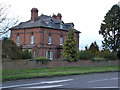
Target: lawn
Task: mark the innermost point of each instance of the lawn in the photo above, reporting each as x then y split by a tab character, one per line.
48	72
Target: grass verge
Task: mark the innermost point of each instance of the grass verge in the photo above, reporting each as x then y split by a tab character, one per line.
48	72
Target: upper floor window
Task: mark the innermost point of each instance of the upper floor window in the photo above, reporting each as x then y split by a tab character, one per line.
31	39
61	40
49	40
18	39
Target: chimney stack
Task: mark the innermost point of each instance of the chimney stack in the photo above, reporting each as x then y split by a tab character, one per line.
34	14
59	16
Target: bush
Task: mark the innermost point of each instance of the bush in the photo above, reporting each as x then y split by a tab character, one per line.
108	55
86	54
98	59
26	54
43	60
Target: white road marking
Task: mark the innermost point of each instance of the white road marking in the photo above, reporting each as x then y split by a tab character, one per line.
49	82
58	81
51	86
21	85
102	80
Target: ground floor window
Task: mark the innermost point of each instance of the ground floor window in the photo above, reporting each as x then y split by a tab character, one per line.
34	53
49	55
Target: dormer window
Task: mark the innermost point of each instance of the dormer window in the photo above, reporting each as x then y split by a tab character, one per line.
47	22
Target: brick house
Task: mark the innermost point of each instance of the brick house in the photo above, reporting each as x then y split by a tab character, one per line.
43	35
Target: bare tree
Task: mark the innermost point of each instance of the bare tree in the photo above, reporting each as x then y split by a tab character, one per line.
6	22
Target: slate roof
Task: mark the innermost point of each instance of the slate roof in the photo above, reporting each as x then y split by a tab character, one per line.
47	22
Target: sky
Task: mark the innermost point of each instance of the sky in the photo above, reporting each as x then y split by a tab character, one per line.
87	15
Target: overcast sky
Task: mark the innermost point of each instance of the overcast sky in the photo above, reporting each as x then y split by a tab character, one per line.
87	15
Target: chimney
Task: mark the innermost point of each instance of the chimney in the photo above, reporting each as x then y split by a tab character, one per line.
59	16
54	16
34	14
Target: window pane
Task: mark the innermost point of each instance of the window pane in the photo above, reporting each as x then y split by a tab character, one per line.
61	40
49	55
18	40
49	40
32	39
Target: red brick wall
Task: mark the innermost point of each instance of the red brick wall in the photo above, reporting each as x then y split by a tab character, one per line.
40	37
26	64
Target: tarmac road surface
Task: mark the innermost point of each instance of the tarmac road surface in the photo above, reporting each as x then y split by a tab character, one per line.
96	81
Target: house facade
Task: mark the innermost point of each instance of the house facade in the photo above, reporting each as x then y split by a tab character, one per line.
43	35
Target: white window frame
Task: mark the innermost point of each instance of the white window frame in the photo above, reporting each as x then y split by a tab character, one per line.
34	53
61	26
61	40
49	55
49	40
18	39
31	39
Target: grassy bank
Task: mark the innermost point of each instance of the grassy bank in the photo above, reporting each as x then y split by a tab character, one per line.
47	72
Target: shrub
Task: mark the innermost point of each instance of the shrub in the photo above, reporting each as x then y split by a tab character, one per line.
98	59
43	60
108	55
86	54
26	54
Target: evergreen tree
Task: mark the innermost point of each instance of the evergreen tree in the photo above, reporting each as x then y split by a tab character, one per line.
10	49
94	47
70	50
110	29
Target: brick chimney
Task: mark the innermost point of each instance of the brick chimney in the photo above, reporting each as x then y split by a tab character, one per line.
59	16
34	14
54	16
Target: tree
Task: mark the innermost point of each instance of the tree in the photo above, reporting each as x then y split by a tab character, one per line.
110	29
6	21
10	49
70	50
94	47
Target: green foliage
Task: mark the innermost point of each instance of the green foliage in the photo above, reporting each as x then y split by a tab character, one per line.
108	55
98	59
70	51
118	54
100	56
94	47
26	54
10	49
86	54
110	29
43	60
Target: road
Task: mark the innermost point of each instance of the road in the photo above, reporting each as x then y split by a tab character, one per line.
87	81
